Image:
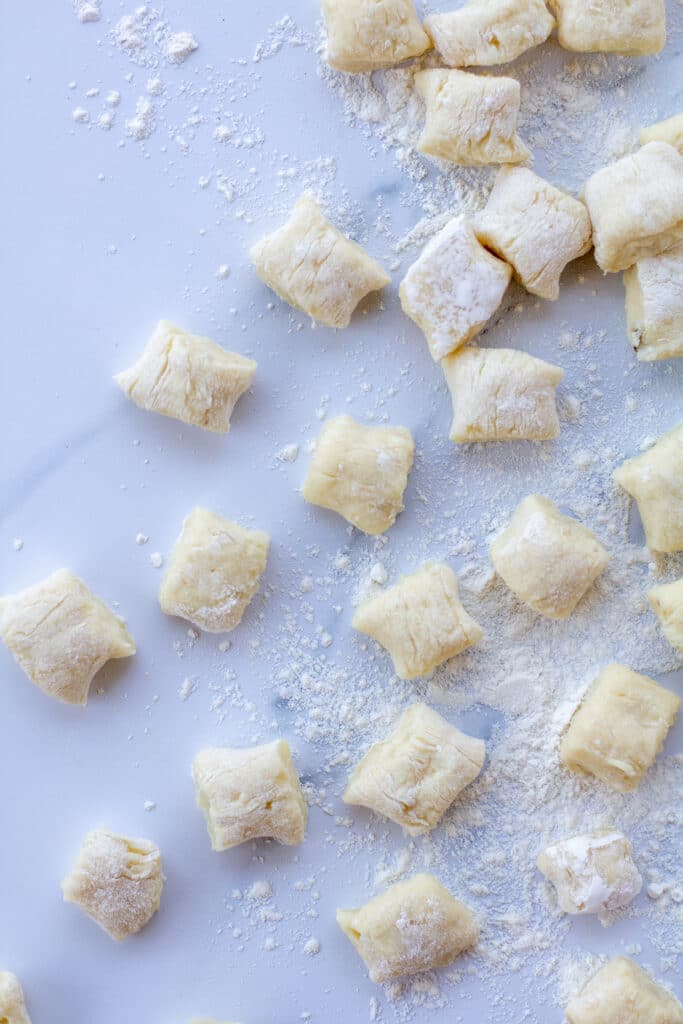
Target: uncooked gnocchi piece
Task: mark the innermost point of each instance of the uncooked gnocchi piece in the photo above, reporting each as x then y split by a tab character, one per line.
61	635
592	874
636	206
670	131
315	268
655	480
213	572
633	29
487	32
117	881
363	35
251	793
622	993
188	378
12	1004
471	119
500	394
619	728
420	621
667	603
360	472
414	775
654	305
548	560
414	926
535	227
453	288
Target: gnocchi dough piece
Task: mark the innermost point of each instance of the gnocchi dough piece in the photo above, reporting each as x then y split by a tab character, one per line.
315	268
420	621
61	635
213	572
360	472
619	728
633	29
188	378
655	480
548	560
654	305
253	793
485	32
670	131
12	1004
667	603
536	227
363	35
622	993
501	395
414	926
414	776
471	119
117	881
592	874
636	206
453	288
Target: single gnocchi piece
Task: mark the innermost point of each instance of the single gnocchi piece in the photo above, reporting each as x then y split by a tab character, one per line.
667	603
485	32
619	728
592	874
535	227
414	926
547	560
61	635
117	881
655	480
622	993
500	394
453	288
414	775
12	1003
315	268
633	29
253	793
213	572
420	621
471	119
636	206
188	378
670	131
360	472
654	305
363	35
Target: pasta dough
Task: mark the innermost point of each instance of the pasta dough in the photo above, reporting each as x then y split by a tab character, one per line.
61	635
414	926
548	560
501	395
414	775
316	269
667	603
453	288
471	119
655	480
213	572
360	472
366	34
654	305
619	728
670	131
634	29
420	621
636	206
622	993
117	881
592	874
188	378
252	793
12	1004
489	31
536	227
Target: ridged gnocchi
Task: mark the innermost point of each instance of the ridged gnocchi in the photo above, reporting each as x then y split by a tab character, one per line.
485	32
655	480
363	35
593	873
633	29
667	603
654	305
621	991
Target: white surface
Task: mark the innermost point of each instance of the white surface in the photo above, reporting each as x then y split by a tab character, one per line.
88	268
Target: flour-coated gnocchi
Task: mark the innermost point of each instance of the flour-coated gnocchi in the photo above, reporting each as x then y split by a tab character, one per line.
593	873
634	29
654	305
667	603
485	32
12	1004
670	130
655	480
622	993
366	34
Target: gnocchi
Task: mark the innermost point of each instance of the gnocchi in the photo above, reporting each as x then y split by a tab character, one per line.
414	926
655	480
214	571
420	621
315	268
12	1003
667	603
654	305
633	29
360	472
621	991
366	34
670	131
253	793
61	635
592	874
487	32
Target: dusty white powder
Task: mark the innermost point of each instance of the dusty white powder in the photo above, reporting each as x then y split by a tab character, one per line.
141	126
87	10
179	46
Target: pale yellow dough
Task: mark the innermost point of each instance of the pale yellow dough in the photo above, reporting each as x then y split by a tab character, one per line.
61	635
670	131
622	993
366	34
485	32
250	793
12	1004
654	305
667	603
655	480
592	874
634	28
